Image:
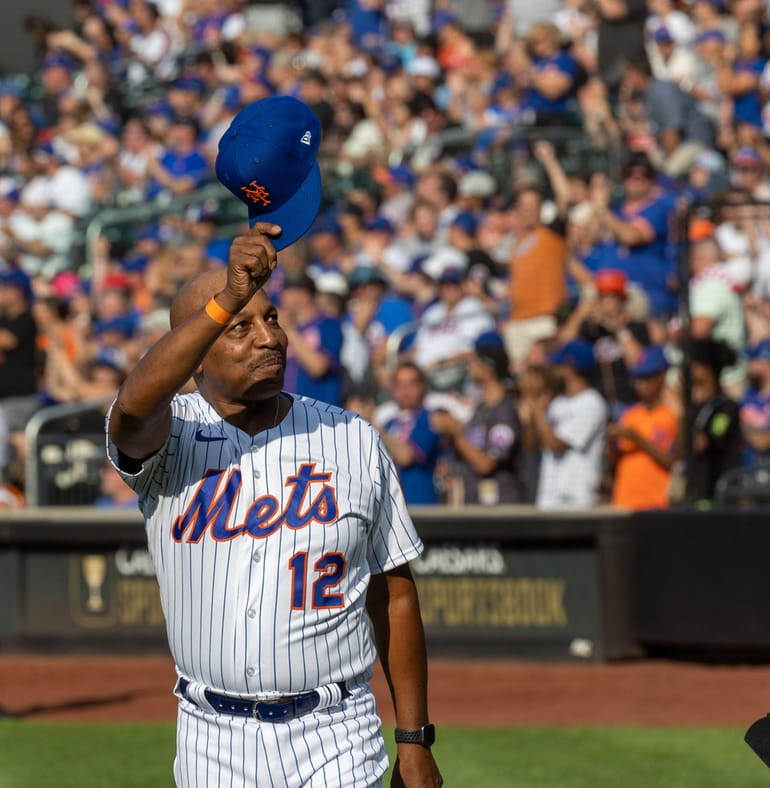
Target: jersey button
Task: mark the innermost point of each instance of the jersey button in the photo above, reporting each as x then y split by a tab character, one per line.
250	671
256	558
252	613
257	473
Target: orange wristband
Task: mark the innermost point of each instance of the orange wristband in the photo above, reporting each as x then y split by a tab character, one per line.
217	314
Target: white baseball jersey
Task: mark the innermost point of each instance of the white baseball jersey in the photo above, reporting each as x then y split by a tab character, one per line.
264	545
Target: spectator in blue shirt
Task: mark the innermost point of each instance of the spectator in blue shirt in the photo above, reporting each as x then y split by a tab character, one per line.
313	366
739	80
181	167
755	407
408	436
639	229
548	74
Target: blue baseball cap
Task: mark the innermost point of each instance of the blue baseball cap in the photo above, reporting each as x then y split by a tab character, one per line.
466	221
576	353
15	277
451	276
379	223
662	36
125	325
267	159
652	361
711	35
488	338
759	351
58	60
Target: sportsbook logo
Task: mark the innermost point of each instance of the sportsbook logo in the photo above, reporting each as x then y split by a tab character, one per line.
215	500
256	193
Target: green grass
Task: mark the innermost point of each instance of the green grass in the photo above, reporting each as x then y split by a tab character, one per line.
57	755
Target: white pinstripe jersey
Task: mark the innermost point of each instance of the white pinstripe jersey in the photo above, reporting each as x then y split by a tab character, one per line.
264	545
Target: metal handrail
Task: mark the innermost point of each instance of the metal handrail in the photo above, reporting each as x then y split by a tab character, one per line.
32	433
142	212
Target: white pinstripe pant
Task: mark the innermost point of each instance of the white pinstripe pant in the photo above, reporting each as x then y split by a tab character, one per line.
338	747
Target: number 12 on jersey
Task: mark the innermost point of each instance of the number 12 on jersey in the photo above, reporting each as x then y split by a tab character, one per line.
329	570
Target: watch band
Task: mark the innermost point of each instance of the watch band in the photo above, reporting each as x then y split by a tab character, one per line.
425	735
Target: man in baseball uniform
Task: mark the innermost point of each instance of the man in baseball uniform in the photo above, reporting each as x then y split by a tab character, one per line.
275	522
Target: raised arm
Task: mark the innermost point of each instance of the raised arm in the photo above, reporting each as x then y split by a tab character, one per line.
141	416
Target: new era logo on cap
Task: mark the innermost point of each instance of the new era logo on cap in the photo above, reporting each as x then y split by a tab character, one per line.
267	159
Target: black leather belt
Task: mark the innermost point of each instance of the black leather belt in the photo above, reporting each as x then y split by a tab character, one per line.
282	709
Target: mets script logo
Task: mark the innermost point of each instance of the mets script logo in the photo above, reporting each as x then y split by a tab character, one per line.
214	502
256	193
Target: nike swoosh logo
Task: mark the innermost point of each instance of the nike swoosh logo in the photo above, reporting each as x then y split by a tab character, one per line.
200	436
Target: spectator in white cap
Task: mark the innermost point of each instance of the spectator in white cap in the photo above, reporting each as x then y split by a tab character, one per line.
69	189
42	235
474	189
448	328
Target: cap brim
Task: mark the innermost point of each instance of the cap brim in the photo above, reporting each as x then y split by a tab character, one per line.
297	214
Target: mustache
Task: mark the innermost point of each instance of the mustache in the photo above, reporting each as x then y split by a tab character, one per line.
270	357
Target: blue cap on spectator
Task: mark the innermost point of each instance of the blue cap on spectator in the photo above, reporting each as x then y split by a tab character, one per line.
713	34
380	223
759	351
134	263
576	353
662	36
400	174
58	60
388	61
125	325
15	277
490	349
451	276
441	19
466	221
488	338
232	97
109	357
267	158
189	84
159	107
651	361
327	224
365	275
10	88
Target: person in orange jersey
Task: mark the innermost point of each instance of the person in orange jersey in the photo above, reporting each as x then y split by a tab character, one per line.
643	441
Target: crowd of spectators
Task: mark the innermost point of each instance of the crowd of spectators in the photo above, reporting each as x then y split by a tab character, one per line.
522	200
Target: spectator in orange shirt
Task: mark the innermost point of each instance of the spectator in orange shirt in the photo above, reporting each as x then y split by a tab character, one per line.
537	275
643	441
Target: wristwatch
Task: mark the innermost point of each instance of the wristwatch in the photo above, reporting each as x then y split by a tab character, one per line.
425	735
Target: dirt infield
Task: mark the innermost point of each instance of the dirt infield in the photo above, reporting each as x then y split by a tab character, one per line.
653	693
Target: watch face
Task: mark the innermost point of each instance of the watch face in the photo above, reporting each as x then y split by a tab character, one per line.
428	734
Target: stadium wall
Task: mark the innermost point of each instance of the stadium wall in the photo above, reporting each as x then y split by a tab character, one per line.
504	582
